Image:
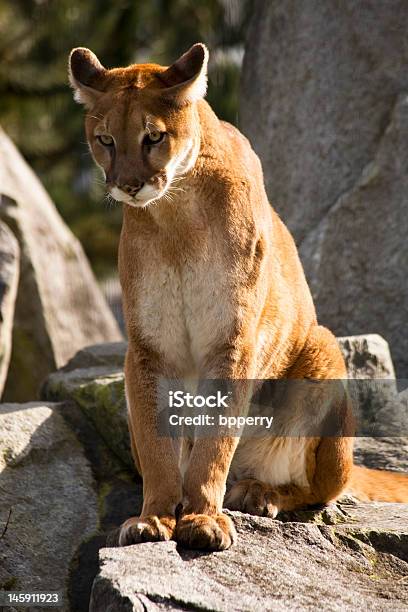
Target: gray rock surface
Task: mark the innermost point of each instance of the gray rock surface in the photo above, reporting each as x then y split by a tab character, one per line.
107	354
9	274
378	408
382	453
367	357
99	390
59	307
324	102
48	502
113	293
360	561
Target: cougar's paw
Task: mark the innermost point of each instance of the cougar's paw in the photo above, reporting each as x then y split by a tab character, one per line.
253	497
206	532
146	529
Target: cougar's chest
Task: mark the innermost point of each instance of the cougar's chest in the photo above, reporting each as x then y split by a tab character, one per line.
182	309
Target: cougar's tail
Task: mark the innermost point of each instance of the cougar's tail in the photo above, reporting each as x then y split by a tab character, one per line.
378	485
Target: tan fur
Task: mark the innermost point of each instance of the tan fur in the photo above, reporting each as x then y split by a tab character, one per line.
378	485
213	288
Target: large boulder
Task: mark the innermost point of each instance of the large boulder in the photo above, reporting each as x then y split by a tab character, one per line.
59	307
48	502
95	381
324	103
359	556
9	272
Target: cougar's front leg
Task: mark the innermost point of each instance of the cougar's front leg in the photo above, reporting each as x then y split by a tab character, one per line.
154	456
202	524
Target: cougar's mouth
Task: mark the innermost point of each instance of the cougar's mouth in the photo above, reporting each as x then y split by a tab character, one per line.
164	184
152	190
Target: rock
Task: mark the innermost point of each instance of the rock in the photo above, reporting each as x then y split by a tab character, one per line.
100	393
382	453
273	566
378	407
324	103
107	354
367	357
48	504
113	293
9	273
94	379
59	307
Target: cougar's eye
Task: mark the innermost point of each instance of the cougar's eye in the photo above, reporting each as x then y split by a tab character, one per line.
105	139
153	137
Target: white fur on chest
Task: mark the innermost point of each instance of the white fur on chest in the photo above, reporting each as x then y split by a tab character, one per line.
184	311
275	461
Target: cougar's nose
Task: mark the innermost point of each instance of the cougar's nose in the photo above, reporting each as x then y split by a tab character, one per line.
132	189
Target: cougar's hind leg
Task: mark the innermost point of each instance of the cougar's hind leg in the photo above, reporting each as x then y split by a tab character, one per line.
261	499
327	459
321	359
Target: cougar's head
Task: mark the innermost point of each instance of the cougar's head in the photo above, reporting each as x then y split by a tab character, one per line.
142	122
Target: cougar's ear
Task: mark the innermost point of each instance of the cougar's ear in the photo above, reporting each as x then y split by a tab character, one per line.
86	75
186	79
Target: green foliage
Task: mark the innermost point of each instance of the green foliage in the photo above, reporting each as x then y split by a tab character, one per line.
36	106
